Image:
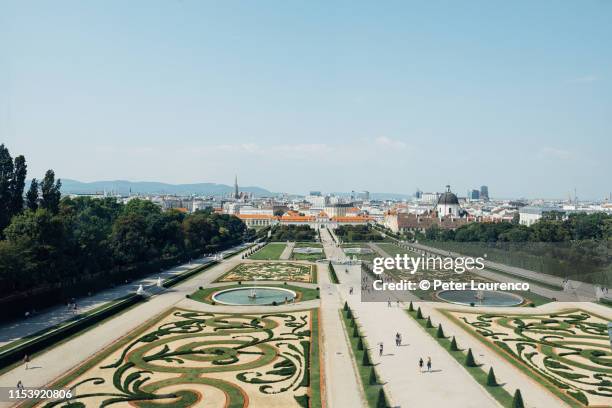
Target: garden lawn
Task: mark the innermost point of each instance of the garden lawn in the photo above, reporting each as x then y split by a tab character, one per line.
271	251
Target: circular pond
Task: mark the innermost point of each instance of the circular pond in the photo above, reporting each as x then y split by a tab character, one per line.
254	295
480	298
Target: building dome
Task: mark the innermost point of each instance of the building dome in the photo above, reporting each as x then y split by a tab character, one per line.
448	198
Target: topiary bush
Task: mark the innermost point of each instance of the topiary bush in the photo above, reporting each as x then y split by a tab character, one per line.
381	402
453	345
373	379
469	359
440	332
366	359
419	314
410	307
517	401
428	324
491	380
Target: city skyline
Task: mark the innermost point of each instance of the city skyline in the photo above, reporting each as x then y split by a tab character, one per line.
328	96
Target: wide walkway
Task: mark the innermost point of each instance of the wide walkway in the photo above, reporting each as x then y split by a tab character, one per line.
17	329
342	386
398	368
287	251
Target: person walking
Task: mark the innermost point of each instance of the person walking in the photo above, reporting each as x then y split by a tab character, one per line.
26	360
421	364
428	364
19	385
380	350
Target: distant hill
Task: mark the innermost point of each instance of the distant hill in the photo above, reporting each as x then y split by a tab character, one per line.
124	187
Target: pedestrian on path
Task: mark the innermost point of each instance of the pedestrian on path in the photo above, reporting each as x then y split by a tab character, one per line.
429	364
19	385
398	339
388	302
421	364
380	349
26	360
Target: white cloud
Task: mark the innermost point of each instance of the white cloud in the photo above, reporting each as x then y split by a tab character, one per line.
388	142
555	153
584	79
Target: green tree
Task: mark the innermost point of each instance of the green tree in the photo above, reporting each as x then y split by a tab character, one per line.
12	182
50	190
17	185
32	195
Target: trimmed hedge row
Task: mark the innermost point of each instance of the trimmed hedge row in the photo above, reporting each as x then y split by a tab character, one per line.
186	275
53	336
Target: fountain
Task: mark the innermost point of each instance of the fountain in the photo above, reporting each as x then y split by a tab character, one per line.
480	297
251	296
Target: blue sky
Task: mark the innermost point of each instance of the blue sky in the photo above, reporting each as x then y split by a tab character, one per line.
334	96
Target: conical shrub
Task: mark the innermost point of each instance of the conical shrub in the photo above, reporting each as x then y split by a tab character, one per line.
429	325
360	344
410	307
366	359
373	379
469	359
517	401
491	380
440	332
346	307
419	314
381	402
453	345
355	332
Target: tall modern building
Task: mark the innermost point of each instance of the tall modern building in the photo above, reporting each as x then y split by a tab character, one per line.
484	193
474	195
236	192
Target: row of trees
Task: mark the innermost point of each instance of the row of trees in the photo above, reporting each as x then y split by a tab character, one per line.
293	233
50	242
350	233
551	228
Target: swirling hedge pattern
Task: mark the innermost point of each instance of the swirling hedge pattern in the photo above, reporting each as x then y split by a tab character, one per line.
570	349
250	359
276	271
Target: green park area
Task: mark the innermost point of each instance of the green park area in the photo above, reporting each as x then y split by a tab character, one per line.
271	271
270	252
234	360
568	351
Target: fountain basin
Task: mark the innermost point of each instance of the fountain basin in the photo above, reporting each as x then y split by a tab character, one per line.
491	298
242	296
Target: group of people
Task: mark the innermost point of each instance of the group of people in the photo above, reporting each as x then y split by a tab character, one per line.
428	364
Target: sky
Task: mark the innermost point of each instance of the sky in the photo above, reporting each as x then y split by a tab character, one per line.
314	95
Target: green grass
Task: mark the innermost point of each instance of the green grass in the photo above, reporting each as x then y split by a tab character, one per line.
315	366
499	393
370	390
271	251
304	294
